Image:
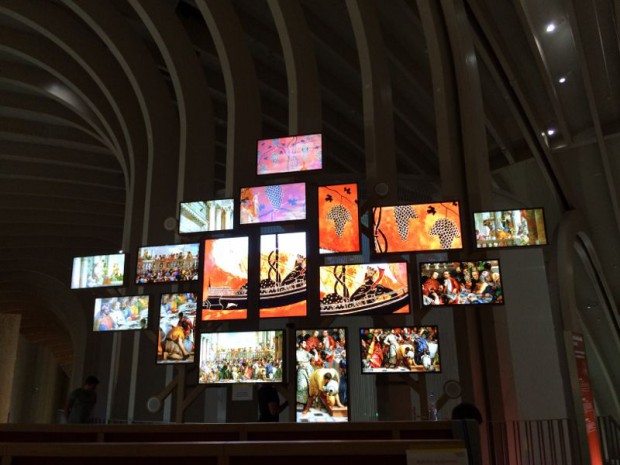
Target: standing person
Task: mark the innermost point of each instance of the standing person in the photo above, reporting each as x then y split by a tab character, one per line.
82	401
269	407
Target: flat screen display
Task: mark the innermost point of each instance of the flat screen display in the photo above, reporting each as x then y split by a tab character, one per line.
167	263
412	349
241	357
98	271
177	321
461	283
289	154
121	313
321	367
369	289
204	216
225	279
269	204
283	275
415	228
510	228
339	230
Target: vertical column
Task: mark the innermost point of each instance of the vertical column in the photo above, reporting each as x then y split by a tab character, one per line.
9	336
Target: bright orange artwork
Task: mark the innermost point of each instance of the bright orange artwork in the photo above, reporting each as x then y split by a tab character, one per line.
283	275
338	219
225	279
415	228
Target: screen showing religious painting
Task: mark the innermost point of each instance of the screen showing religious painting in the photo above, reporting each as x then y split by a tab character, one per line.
121	313
510	228
461	283
415	228
241	357
289	154
411	349
338	219
282	275
167	263
98	271
369	289
225	279
177	320
270	204
321	366
204	216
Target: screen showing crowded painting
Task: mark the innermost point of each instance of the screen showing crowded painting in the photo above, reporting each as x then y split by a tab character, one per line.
365	289
282	275
415	228
98	271
177	321
461	283
339	230
321	372
510	228
289	154
167	263
121	313
205	216
272	204
409	349
241	357
225	279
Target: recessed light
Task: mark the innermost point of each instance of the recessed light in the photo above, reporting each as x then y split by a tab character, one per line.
120	251
550	132
562	80
550	27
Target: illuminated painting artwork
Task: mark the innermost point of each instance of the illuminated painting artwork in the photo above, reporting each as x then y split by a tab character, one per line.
121	313
338	219
268	204
288	154
414	228
510	228
412	349
98	271
283	275
321	364
371	289
241	357
211	215
225	279
177	320
167	263
461	283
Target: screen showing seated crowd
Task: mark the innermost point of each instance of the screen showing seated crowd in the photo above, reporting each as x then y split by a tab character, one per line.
98	271
461	283
289	154
321	364
121	313
241	357
339	230
365	289
415	228
204	216
177	321
510	228
167	263
409	349
225	279
270	204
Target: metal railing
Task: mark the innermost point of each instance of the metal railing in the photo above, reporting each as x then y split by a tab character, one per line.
609	432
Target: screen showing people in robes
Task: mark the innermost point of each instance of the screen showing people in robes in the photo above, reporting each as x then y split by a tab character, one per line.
510	228
121	313
98	271
177	321
167	263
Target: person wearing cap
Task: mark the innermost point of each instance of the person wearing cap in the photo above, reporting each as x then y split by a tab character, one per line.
82	401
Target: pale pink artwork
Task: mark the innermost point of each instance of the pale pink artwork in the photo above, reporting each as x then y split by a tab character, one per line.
289	154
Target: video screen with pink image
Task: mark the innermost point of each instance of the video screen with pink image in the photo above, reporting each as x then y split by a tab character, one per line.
289	154
270	204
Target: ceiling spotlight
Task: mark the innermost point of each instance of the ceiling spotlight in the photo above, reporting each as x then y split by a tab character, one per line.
562	80
120	251
550	132
550	27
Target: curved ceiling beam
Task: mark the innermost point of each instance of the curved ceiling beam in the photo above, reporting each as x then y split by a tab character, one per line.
196	122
